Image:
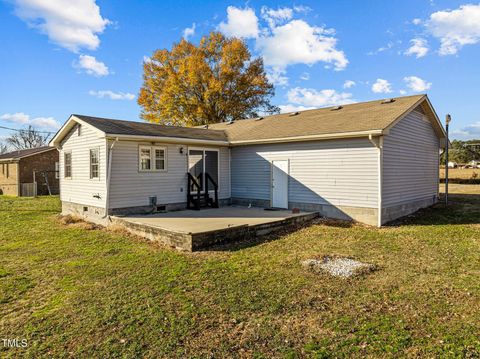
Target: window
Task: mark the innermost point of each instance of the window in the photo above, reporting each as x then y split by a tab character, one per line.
67	164
159	159
57	170
94	163
145	159
5	170
152	158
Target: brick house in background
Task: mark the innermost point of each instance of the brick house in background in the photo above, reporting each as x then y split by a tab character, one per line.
17	171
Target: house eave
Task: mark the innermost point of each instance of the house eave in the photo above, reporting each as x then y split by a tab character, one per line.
328	136
182	140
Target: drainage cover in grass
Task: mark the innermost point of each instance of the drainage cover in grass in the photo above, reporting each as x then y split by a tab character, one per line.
338	266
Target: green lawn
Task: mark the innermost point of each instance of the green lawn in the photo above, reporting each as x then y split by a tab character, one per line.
72	291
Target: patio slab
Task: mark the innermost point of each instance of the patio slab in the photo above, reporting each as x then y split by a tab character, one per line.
191	230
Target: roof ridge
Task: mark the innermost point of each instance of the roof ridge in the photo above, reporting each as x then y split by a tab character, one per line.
140	123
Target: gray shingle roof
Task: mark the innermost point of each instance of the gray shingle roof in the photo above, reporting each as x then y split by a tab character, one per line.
15	155
119	127
362	116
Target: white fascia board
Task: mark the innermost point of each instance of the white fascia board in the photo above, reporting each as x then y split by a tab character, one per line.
162	139
311	137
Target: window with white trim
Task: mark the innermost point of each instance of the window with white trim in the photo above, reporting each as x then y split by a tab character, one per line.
95	163
152	158
67	164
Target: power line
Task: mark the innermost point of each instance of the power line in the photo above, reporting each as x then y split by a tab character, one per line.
20	130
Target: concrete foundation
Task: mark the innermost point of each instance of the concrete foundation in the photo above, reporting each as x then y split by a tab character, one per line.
401	210
359	214
192	230
89	213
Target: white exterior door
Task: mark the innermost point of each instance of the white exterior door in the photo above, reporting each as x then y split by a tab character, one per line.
280	184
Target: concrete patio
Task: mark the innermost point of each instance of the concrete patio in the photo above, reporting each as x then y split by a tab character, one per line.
191	230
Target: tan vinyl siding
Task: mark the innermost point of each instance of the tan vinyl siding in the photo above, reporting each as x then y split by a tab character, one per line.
130	187
80	188
339	172
410	161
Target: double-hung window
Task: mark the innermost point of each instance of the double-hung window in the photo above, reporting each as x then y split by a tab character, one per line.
152	158
95	163
67	164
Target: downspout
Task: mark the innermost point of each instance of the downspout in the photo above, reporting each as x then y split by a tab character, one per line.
378	143
109	170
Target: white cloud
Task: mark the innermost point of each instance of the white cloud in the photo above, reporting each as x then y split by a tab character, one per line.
20	118
297	42
240	23
277	76
313	98
416	21
468	132
293	108
305	76
382	86
402	92
348	84
72	24
419	48
455	28
92	66
112	95
274	17
189	31
284	41
302	9
381	49
416	84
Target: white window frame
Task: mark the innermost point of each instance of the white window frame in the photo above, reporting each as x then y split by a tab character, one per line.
65	165
153	163
57	170
97	149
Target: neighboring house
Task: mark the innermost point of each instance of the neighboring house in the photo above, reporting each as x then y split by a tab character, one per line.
17	170
372	162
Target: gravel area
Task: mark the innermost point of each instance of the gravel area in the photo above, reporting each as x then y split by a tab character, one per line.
338	266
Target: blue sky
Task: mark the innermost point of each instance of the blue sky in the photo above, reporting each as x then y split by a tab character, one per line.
85	56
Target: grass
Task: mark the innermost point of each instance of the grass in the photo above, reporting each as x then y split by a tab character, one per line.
83	291
461	173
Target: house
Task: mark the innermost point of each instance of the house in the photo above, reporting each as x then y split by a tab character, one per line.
19	170
371	162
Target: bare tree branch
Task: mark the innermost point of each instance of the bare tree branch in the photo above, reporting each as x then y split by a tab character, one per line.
27	138
3	148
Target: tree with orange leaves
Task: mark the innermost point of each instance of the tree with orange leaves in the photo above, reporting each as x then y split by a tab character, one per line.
215	81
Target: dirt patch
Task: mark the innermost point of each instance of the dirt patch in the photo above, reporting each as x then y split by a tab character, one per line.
77	222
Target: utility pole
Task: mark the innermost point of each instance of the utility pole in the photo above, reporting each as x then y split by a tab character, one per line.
448	118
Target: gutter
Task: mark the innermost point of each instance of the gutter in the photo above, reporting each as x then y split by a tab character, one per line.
109	170
311	137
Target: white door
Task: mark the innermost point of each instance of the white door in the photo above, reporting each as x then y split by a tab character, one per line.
280	184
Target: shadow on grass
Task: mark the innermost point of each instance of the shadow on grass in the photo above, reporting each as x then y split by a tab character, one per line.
248	242
461	209
254	241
